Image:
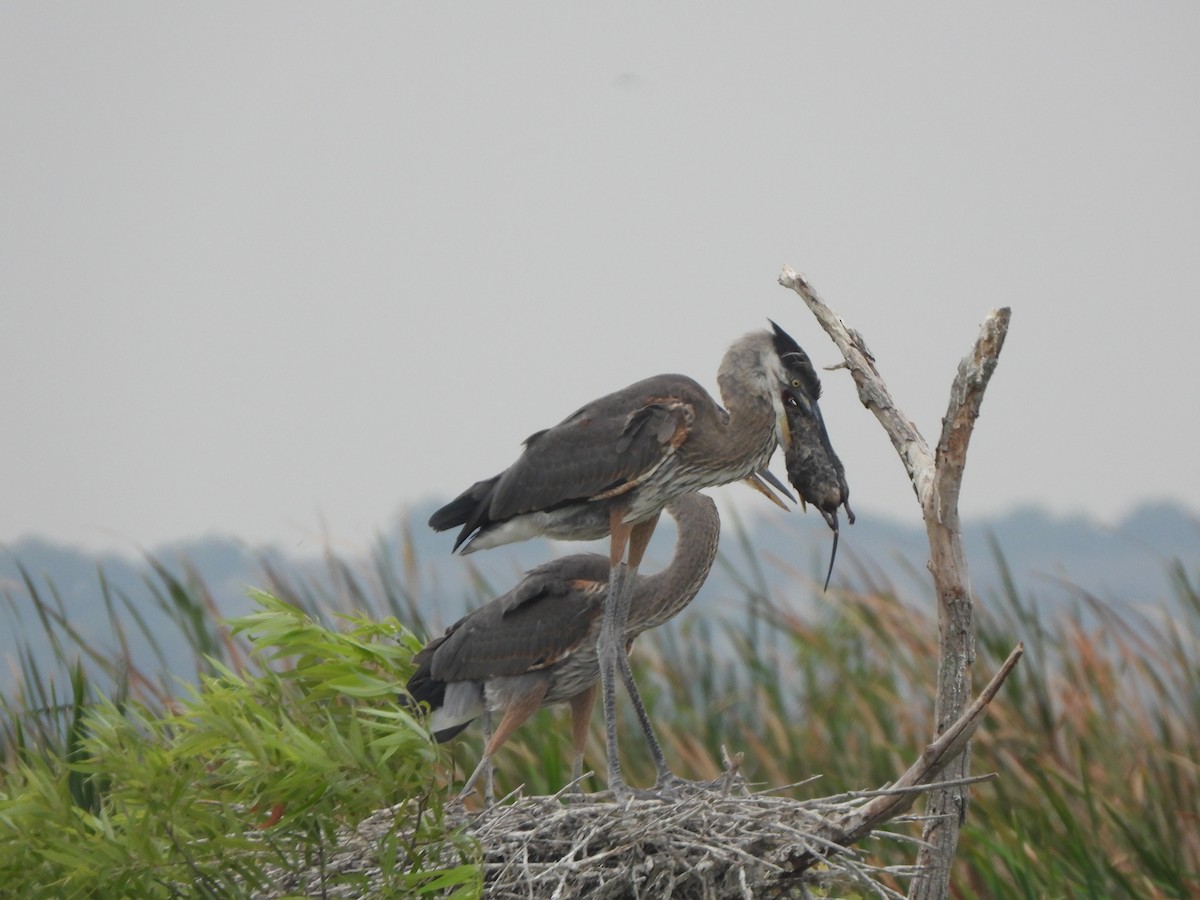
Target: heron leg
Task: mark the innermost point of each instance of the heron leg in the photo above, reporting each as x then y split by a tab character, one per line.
666	781
514	717
608	649
485	764
581	714
489	768
663	772
639	539
611	644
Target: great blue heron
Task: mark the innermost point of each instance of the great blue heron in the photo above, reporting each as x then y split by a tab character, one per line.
610	467
536	644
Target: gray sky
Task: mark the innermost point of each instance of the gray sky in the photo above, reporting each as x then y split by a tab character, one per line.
281	270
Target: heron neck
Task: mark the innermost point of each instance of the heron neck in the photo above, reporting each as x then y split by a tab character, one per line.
741	444
750	431
661	596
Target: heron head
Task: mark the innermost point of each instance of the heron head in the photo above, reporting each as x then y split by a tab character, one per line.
799	380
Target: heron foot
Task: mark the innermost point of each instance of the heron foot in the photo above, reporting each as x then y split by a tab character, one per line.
621	792
488	798
670	786
667	787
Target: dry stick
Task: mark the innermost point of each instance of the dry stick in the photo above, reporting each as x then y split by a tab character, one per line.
937	479
899	797
956	624
934	759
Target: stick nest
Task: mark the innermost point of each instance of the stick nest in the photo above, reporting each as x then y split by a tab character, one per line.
713	841
704	844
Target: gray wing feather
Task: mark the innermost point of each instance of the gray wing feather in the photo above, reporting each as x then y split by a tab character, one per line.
609	443
546	616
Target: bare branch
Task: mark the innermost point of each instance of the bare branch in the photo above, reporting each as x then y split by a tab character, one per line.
933	761
914	452
966	396
937	482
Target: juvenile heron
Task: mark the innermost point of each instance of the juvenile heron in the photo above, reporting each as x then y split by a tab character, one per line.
536	644
611	466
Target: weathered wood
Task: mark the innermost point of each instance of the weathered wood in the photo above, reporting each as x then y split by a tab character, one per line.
936	477
947	807
936	762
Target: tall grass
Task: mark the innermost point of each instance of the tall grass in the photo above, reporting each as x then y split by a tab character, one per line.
1095	738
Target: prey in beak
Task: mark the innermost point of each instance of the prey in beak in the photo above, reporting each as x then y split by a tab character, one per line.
813	467
815	470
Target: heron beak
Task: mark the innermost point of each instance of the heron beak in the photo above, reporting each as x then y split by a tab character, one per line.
774	482
758	482
782	429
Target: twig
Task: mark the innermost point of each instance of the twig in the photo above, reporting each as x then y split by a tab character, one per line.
898	798
933	760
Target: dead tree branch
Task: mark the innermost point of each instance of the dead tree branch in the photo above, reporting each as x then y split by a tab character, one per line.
933	761
936	477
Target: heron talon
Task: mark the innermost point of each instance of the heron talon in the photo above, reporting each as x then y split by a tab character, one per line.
622	793
671	787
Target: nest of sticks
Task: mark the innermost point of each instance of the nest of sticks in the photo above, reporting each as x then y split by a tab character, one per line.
705	844
717	840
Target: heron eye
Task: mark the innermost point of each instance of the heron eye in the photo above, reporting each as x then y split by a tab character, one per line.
795	382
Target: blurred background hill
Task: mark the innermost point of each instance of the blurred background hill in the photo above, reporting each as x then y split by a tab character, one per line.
1053	561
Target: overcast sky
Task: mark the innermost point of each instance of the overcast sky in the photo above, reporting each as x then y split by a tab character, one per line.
281	271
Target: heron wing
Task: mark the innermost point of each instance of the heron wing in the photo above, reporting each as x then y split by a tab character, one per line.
602	449
545	618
